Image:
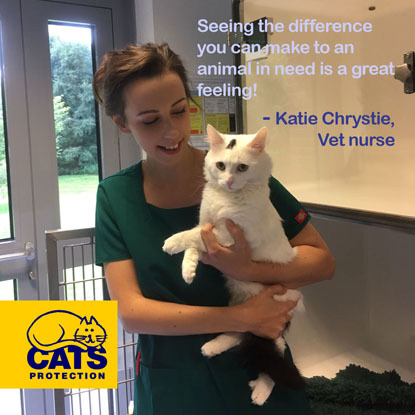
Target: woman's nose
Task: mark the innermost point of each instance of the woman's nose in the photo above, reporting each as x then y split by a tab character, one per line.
171	131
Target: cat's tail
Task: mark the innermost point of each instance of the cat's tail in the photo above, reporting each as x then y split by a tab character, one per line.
262	356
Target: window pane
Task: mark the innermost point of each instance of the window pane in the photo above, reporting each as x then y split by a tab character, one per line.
5	211
72	58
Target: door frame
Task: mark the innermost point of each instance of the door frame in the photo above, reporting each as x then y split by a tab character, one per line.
18	144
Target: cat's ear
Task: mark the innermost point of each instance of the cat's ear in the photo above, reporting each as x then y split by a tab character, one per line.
257	144
93	320
83	321
214	137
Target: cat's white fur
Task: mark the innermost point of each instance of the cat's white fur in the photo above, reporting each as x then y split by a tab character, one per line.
242	197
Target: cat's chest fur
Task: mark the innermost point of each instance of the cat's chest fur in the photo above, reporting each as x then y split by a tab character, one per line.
251	209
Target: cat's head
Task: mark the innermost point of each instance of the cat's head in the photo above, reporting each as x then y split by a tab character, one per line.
236	160
91	333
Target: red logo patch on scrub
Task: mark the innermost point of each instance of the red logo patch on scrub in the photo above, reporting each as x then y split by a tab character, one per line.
137	367
301	216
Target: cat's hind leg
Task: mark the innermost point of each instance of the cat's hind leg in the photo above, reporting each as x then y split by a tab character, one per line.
261	389
293	295
189	264
280	344
221	344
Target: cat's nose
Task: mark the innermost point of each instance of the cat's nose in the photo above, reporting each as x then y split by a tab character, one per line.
229	182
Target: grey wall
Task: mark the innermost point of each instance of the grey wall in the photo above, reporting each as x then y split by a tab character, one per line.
175	22
369	305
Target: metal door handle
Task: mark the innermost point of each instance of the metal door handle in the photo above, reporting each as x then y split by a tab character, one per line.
20	263
402	72
406	72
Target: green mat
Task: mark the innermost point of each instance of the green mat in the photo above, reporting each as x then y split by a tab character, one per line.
357	390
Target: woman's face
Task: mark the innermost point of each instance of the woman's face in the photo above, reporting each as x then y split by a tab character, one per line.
157	115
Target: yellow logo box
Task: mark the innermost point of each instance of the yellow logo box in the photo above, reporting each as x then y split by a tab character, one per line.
58	344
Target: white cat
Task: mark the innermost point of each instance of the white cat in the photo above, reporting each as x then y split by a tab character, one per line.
237	170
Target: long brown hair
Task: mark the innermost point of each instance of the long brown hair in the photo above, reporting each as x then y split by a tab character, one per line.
120	67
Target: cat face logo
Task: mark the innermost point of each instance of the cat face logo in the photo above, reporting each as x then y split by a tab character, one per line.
64	337
91	334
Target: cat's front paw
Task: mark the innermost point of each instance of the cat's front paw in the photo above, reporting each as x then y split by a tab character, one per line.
173	245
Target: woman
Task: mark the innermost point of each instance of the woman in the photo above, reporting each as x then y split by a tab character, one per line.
144	90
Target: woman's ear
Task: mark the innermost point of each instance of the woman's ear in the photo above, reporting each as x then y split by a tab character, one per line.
121	124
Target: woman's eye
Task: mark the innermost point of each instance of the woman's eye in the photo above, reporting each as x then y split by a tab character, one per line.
242	167
156	119
220	165
150	122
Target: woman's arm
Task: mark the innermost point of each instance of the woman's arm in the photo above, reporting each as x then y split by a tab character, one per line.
313	263
261	314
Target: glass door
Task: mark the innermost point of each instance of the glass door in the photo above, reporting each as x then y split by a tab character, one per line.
63	45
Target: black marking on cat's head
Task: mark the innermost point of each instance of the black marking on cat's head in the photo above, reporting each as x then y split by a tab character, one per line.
231	145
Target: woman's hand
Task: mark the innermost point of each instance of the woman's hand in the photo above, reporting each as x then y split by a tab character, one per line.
264	316
235	260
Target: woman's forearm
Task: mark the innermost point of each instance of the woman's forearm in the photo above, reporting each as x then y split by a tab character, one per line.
260	314
147	316
311	265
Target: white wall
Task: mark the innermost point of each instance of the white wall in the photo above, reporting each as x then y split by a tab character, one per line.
367	178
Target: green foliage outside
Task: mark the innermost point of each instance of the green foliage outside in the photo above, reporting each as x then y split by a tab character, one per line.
75	124
356	390
74	111
74	108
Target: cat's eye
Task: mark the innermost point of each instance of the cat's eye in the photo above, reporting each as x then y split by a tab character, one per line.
220	165
243	167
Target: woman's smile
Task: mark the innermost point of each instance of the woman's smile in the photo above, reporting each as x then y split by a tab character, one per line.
172	149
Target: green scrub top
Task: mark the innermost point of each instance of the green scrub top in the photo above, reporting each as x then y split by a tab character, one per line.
172	375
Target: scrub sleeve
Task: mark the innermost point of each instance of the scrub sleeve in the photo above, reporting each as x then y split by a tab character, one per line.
172	375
